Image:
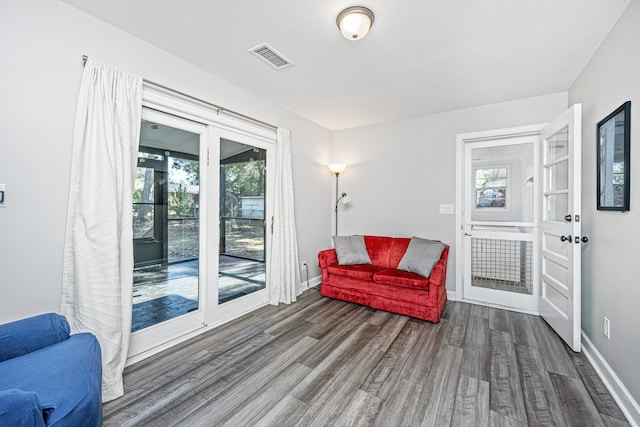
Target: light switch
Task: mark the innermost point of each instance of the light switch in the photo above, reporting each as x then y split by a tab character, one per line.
3	195
446	210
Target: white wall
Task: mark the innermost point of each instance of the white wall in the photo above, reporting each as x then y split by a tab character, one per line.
41	44
610	267
399	172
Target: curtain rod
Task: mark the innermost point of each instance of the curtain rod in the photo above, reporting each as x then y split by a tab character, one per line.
217	107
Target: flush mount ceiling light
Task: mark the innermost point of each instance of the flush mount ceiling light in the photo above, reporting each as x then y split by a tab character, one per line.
354	22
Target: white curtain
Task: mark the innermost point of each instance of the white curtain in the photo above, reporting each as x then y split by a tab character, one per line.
284	276
98	253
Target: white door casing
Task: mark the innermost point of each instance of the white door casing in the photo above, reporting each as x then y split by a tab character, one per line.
560	292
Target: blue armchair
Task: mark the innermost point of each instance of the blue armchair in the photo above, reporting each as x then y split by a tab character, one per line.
48	377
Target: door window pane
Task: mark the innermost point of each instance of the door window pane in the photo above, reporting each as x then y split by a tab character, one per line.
501	183
166	225
557	206
242	220
558	146
558	176
491	188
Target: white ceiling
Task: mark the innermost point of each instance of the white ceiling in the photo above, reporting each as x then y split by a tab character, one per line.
420	57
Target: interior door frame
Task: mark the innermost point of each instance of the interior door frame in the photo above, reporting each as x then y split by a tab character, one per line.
461	141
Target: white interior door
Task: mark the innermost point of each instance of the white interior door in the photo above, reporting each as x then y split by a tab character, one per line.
560	293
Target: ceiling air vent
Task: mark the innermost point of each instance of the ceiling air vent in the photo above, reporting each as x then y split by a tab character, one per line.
271	56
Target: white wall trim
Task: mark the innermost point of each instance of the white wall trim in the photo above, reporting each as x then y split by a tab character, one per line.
451	296
618	391
314	281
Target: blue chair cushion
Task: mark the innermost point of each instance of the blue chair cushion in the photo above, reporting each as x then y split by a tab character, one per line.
27	335
66	377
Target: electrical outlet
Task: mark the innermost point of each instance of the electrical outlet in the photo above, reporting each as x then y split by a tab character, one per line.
607	328
304	265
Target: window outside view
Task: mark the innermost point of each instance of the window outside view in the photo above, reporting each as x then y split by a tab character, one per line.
491	188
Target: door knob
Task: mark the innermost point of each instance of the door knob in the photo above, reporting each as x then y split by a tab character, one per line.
585	239
566	238
567	218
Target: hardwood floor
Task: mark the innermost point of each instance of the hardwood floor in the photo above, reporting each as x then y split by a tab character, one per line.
326	362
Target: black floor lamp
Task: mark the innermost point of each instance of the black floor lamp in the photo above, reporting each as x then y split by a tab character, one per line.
337	169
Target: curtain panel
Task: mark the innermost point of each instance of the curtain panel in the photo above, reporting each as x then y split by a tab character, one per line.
98	252
284	275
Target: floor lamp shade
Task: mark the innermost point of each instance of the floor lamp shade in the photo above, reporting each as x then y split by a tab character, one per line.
337	168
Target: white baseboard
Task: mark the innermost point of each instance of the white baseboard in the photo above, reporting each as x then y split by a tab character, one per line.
314	281
620	394
451	295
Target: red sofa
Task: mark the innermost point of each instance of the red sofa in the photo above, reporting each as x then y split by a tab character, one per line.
381	286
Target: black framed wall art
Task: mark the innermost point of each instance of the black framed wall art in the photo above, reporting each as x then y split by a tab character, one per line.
613	159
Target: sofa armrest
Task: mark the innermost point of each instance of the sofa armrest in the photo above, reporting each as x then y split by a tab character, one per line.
438	277
327	257
31	334
20	408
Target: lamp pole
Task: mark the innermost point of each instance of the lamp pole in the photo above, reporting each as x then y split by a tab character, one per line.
337	169
337	200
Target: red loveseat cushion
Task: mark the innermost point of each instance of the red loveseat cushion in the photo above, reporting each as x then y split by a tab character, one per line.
357	271
392	276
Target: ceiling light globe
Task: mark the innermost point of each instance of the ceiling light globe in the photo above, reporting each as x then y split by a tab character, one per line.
355	22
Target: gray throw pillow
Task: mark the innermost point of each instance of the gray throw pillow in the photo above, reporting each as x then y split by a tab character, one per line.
421	256
351	250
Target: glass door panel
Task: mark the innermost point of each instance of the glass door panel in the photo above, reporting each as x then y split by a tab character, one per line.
167	286
242	220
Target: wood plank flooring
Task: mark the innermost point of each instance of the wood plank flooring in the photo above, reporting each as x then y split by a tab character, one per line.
326	362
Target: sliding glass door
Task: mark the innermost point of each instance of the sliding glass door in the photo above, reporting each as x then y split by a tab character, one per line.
243	237
243	170
201	210
170	198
